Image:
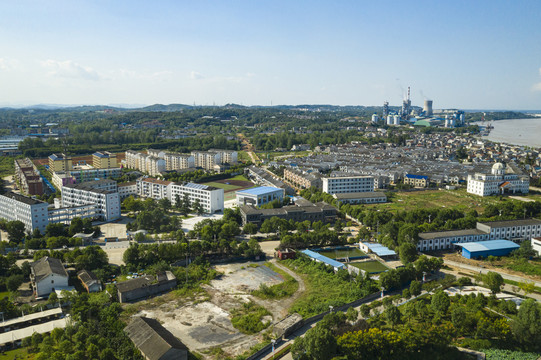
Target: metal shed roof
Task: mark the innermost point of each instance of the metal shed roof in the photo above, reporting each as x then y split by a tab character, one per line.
323	259
488	245
379	249
259	190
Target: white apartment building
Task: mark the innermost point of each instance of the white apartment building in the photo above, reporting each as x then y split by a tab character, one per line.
153	188
174	161
210	198
102	193
207	159
348	184
227	156
33	213
497	182
62	178
150	164
127	189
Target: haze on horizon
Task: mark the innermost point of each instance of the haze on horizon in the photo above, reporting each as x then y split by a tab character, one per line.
461	54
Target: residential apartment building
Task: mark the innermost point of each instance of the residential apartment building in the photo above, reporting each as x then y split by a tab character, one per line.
104	160
514	230
60	162
175	161
207	160
347	184
82	175
302	179
33	213
498	182
27	177
227	156
127	189
210	198
150	164
103	194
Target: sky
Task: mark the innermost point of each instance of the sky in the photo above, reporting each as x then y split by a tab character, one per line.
482	54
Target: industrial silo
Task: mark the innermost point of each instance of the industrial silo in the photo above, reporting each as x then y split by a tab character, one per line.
428	108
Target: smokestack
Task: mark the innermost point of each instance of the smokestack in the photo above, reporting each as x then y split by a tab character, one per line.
428	108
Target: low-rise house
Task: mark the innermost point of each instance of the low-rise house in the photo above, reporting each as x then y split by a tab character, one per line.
371	197
145	286
154	341
47	275
90	281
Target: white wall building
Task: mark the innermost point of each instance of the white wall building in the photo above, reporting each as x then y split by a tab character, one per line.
536	245
102	193
207	159
33	213
259	195
153	188
348	184
174	161
210	198
47	274
497	182
127	189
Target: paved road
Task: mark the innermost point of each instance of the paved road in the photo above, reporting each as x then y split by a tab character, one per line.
484	271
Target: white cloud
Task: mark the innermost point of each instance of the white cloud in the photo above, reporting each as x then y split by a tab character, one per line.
194	75
8	64
70	69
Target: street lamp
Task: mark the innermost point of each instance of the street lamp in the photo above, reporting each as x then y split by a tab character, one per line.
424	276
273	342
382	290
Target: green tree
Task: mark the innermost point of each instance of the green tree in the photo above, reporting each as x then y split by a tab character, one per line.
15	230
318	344
415	288
249	228
440	302
527	326
493	281
197	207
352	314
393	316
365	311
407	252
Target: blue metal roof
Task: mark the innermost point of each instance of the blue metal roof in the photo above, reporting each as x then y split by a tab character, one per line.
412	176
261	190
379	249
101	155
488	245
324	259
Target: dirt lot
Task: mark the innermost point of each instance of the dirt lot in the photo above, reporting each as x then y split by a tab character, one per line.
204	325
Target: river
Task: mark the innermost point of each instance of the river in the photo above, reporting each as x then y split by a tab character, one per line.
516	132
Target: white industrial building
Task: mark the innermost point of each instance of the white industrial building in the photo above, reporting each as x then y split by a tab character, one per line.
536	245
514	230
259	195
103	194
498	182
33	213
348	184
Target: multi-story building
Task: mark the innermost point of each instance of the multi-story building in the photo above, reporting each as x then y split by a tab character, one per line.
60	162
210	198
175	161
82	175
259	195
150	164
418	181
300	212
514	230
369	197
153	188
104	160
127	189
227	156
207	159
103	194
347	184
28	178
302	179
536	245
33	213
498	182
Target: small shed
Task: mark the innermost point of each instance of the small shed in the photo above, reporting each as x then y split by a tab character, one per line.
481	249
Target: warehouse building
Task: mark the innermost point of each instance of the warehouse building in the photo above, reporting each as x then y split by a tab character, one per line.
259	195
370	197
483	249
314	256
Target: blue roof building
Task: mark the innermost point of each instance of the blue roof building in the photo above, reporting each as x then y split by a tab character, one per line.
377	249
259	195
327	261
481	249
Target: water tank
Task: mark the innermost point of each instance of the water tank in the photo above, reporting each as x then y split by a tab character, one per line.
389	119
396	120
427	108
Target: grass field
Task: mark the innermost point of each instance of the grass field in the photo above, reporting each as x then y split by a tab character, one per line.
370	266
20	353
226	187
231	185
337	254
429	199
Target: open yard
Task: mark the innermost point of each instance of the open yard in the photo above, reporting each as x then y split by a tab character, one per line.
370	266
342	253
236	183
428	199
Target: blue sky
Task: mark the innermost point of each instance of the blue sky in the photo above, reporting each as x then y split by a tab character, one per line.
461	54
